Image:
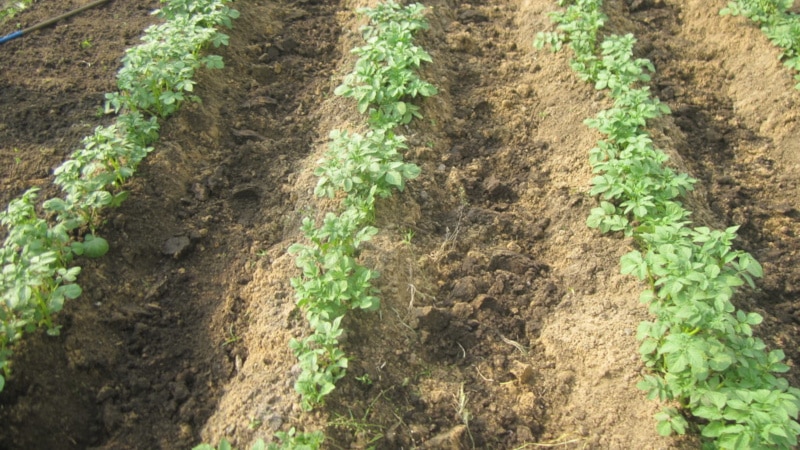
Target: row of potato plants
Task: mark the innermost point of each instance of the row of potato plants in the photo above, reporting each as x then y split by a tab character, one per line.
357	169
700	347
778	23
38	272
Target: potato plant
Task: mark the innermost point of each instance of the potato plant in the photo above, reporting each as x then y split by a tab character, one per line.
356	164
37	272
700	348
358	168
385	73
289	440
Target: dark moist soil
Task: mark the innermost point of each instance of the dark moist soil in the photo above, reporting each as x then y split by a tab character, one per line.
504	322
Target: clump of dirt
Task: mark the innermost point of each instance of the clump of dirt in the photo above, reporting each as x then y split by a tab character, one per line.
504	321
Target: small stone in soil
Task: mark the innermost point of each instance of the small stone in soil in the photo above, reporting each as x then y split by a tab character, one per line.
275	422
176	246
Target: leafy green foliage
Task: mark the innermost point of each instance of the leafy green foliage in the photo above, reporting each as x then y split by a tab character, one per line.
780	25
157	76
385	73
107	159
360	168
581	21
289	440
37	276
93	247
700	348
332	282
355	164
35	279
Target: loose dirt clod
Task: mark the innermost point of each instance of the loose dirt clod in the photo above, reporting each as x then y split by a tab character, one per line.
176	246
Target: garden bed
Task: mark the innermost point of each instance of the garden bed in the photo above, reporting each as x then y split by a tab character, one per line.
504	320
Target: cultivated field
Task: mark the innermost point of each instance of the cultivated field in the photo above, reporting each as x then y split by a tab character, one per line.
504	320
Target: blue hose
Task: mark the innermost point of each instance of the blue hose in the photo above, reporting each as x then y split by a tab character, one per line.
11	36
49	22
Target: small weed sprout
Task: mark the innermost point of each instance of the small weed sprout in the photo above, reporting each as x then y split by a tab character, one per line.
232	337
13	8
462	413
365	379
254	424
408	236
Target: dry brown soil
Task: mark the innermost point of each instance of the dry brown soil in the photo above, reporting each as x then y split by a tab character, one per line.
505	323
